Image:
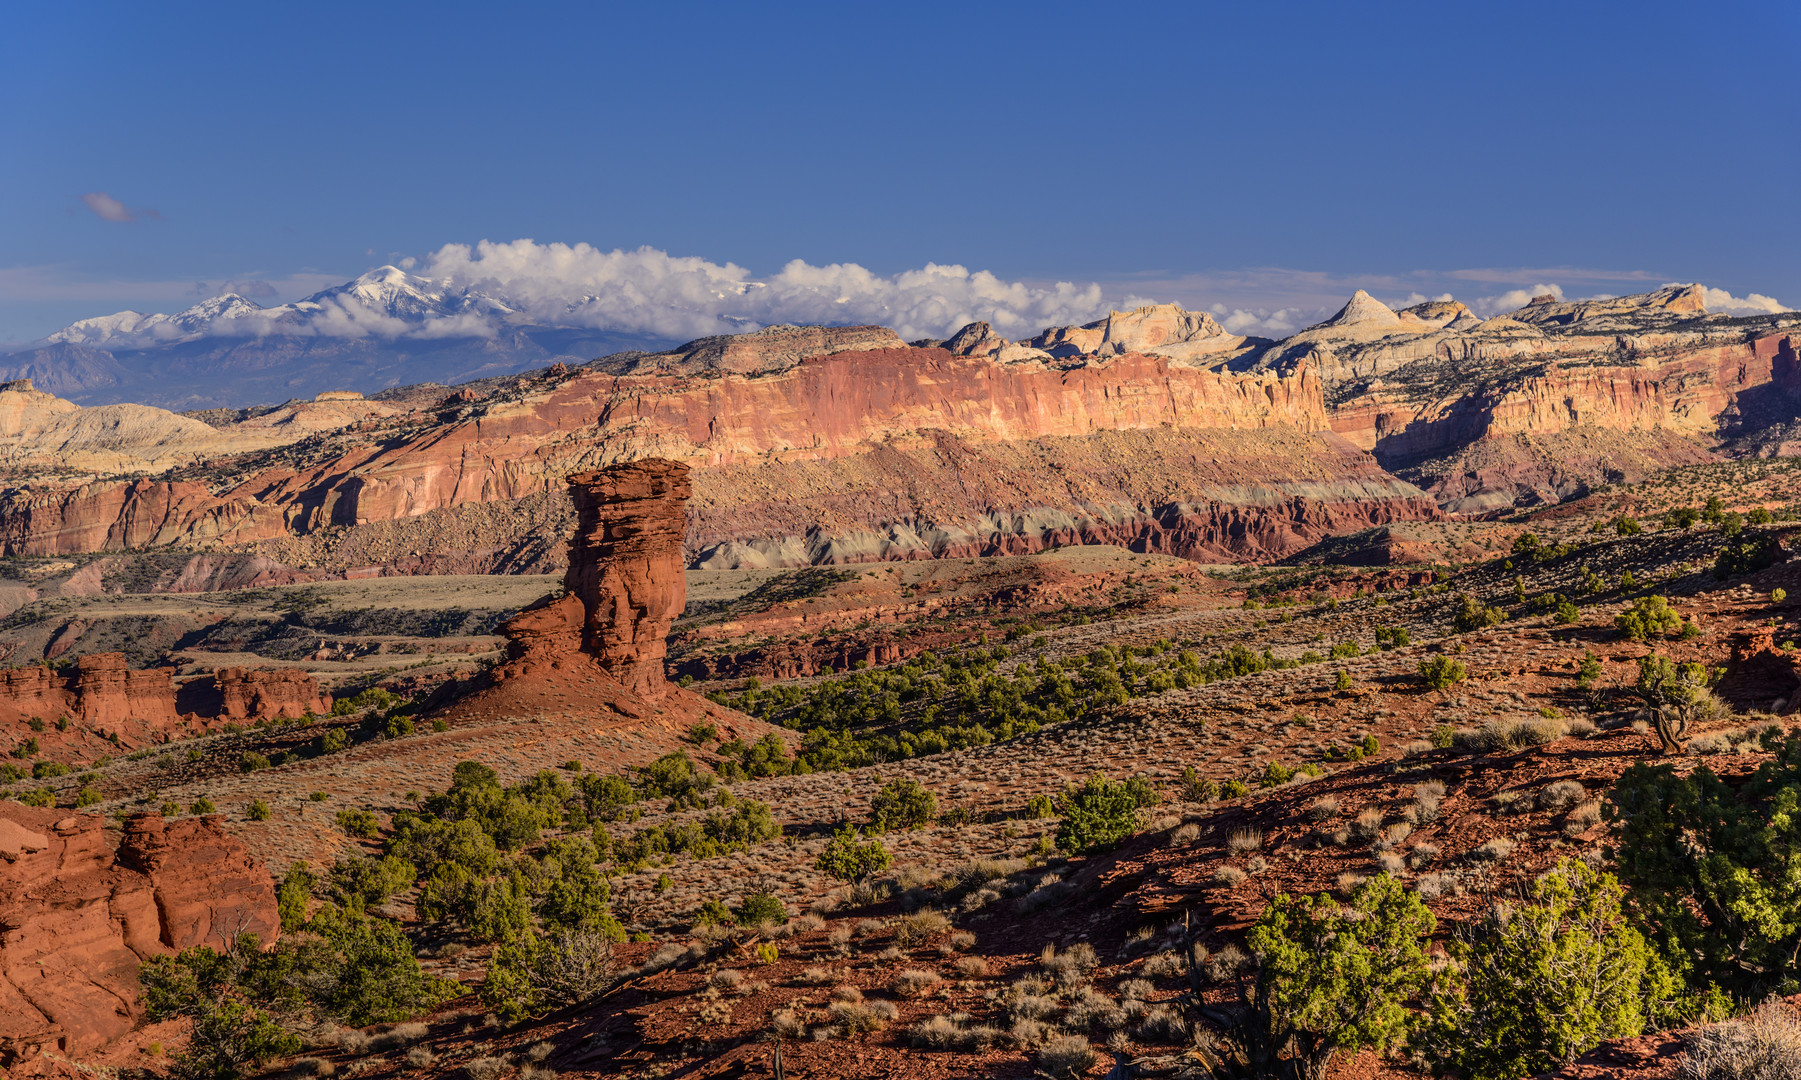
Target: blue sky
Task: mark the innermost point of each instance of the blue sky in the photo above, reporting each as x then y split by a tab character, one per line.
1246	156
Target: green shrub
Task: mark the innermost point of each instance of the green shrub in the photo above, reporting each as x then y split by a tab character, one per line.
1663	682
1197	788
714	913
1392	637
1442	672
87	796
1342	681
1472	614
1332	978
359	823
1712	867
903	804
334	740
257	811
1096	816
1627	526
251	761
761	907
202	805
1648	615
1567	613
1498	1011
1040	806
537	974
850	858
45	770
1747	557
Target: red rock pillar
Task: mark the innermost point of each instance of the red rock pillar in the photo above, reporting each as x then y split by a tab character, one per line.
625	566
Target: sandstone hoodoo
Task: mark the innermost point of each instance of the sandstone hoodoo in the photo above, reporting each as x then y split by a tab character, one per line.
598	647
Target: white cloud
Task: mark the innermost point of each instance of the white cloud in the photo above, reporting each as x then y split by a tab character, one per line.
1721	302
107	208
1263	322
1513	300
651	291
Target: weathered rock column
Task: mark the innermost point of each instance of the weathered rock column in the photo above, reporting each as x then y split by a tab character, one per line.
625	566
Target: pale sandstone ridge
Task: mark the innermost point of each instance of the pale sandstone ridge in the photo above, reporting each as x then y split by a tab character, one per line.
1544	402
79	915
1156	329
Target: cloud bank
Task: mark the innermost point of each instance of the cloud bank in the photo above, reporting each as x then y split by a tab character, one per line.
651	291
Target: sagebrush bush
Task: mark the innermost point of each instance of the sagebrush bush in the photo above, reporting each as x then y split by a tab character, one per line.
1065	1057
1766	1045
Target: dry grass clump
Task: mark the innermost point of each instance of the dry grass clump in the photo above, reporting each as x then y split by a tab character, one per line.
1348	882
815	976
421	1057
726	979
1765	1045
785	1024
970	876
1164	965
1240	841
1071	967
1225	963
914	982
1026	1034
1324	808
1581	818
1424	808
1561	794
970	967
919	927
1367	825
1493	850
1391	864
1163	1024
944	1033
484	1068
1050	890
1501	736
312	1066
847	992
1095	1011
1228	876
1065	1057
1185	834
380	1042
1423	854
858	1017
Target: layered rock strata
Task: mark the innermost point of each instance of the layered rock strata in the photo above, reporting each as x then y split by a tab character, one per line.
837	445
79	914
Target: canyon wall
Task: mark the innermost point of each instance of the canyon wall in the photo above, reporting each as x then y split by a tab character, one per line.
878	452
1154	428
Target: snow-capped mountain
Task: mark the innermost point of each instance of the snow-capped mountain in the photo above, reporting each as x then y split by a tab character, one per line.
384	328
386	302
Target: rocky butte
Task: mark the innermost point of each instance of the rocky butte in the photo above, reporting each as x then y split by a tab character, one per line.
1153	428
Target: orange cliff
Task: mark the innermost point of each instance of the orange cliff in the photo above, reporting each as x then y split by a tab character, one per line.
879	452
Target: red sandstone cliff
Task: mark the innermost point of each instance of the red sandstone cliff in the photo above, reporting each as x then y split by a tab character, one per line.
79	913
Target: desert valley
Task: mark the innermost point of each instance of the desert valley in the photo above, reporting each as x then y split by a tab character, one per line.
1410	695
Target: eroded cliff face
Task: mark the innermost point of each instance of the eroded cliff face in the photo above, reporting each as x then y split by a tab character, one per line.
812	461
1544	402
1153	428
79	912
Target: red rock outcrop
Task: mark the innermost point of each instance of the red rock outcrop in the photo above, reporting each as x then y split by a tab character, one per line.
625	566
256	695
99	691
599	646
77	916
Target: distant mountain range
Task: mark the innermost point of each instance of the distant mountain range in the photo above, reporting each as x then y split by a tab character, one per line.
386	328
